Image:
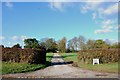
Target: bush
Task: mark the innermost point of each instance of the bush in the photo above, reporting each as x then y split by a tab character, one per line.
105	56
36	56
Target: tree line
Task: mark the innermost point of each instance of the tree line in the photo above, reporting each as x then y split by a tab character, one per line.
73	45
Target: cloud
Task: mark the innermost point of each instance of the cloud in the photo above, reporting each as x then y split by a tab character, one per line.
90	5
108	11
15	38
99	8
100	11
60	6
102	31
107	22
107	27
9	4
2	37
19	38
84	9
110	24
9	43
23	37
57	6
111	9
94	15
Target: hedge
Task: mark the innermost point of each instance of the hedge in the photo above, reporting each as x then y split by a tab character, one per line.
37	56
105	56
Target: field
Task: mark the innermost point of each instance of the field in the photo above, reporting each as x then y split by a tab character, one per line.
110	67
8	67
69	56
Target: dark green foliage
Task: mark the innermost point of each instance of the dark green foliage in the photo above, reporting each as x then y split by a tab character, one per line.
1	46
105	56
16	46
36	56
31	43
39	56
99	43
49	44
68	50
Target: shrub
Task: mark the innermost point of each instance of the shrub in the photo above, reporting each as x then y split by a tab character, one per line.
24	55
105	56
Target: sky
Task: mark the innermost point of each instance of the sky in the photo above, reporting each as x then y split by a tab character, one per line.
93	20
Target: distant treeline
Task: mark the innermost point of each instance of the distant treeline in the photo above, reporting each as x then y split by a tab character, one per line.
73	45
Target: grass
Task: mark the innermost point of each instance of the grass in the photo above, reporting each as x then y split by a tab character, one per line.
69	56
49	56
8	67
110	67
48	59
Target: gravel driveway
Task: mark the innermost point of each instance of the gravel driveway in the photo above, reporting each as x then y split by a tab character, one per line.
59	69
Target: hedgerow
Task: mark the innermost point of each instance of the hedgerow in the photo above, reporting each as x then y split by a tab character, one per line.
105	56
36	56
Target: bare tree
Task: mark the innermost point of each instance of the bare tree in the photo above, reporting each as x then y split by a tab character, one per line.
81	42
70	45
75	43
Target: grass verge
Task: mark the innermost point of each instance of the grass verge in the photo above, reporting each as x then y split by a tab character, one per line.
48	58
69	56
110	67
8	67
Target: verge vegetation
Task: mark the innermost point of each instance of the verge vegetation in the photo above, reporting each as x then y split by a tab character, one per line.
102	67
14	67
